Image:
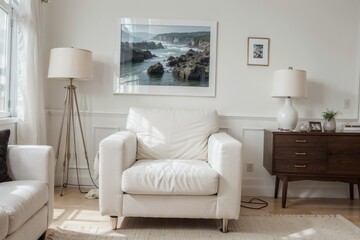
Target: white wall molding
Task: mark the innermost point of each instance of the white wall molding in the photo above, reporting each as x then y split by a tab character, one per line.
59	112
340	118
249	131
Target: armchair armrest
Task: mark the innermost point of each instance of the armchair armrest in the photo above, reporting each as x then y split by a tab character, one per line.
116	153
33	162
224	155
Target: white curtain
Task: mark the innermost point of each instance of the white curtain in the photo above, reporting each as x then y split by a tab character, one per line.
30	93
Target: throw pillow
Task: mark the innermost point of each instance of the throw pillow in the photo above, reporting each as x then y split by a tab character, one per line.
4	139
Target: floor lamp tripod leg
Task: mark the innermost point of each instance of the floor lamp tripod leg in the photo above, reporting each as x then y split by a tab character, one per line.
67	139
63	175
81	129
83	138
59	140
73	95
61	126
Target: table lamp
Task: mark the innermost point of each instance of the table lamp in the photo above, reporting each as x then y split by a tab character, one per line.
70	64
288	84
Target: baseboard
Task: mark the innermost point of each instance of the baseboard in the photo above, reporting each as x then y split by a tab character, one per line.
303	189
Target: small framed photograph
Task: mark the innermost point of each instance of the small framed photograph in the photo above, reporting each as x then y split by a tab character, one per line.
258	51
315	127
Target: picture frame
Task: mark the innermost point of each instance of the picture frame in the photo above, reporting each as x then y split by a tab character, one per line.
315	126
168	47
258	51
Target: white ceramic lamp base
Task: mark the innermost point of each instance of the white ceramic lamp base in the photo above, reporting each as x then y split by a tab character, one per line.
287	116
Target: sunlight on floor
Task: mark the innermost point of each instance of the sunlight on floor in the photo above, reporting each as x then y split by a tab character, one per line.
301	235
87	221
58	213
79	215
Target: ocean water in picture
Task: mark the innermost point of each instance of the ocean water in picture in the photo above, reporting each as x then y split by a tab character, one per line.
164	55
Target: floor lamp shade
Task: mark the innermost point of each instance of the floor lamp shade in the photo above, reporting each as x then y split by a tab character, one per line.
70	63
288	83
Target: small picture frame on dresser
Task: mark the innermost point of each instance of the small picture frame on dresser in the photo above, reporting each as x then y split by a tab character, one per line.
315	126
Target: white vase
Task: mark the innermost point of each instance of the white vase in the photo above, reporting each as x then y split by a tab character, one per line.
329	125
287	116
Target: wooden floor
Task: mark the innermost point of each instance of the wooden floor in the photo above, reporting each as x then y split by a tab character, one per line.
73	206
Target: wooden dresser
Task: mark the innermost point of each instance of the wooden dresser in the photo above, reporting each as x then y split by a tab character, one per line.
292	156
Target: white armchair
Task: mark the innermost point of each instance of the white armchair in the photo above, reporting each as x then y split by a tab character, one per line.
170	163
26	202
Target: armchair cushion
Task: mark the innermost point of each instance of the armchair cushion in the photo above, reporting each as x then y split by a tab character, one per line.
4	224
172	134
170	177
4	139
27	198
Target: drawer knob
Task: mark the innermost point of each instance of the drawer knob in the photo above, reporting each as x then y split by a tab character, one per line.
300	153
300	141
300	165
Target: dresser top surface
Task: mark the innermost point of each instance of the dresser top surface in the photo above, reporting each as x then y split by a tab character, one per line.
337	133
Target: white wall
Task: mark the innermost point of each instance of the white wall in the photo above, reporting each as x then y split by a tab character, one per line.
319	36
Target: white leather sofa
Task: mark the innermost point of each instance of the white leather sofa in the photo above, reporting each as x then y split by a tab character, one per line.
170	163
26	203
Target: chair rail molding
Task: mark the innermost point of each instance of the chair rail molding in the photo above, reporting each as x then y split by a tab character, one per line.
248	129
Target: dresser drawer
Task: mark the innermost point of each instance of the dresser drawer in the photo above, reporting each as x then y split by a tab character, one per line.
296	153
299	141
294	166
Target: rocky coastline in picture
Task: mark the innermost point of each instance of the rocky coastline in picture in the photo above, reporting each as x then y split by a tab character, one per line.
190	66
138	52
194	39
147	45
156	69
194	65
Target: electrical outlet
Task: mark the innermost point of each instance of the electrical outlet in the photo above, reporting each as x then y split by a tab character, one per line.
249	167
346	103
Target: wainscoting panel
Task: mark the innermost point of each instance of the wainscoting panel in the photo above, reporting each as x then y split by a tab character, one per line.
249	130
101	132
259	179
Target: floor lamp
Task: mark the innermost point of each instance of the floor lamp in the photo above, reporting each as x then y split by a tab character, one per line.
70	64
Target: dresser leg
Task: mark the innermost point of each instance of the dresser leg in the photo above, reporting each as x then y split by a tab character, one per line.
276	187
284	191
351	190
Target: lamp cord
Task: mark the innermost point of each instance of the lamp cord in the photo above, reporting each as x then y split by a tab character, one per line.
255	201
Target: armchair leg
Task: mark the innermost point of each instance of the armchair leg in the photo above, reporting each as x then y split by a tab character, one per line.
225	224
114	221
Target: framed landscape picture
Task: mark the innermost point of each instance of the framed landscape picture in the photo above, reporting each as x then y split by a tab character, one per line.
165	57
258	51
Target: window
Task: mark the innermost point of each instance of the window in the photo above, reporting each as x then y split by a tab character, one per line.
7	38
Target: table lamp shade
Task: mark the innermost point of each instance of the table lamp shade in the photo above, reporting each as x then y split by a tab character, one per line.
70	63
289	83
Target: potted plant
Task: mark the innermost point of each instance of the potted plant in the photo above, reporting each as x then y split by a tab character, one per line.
329	120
